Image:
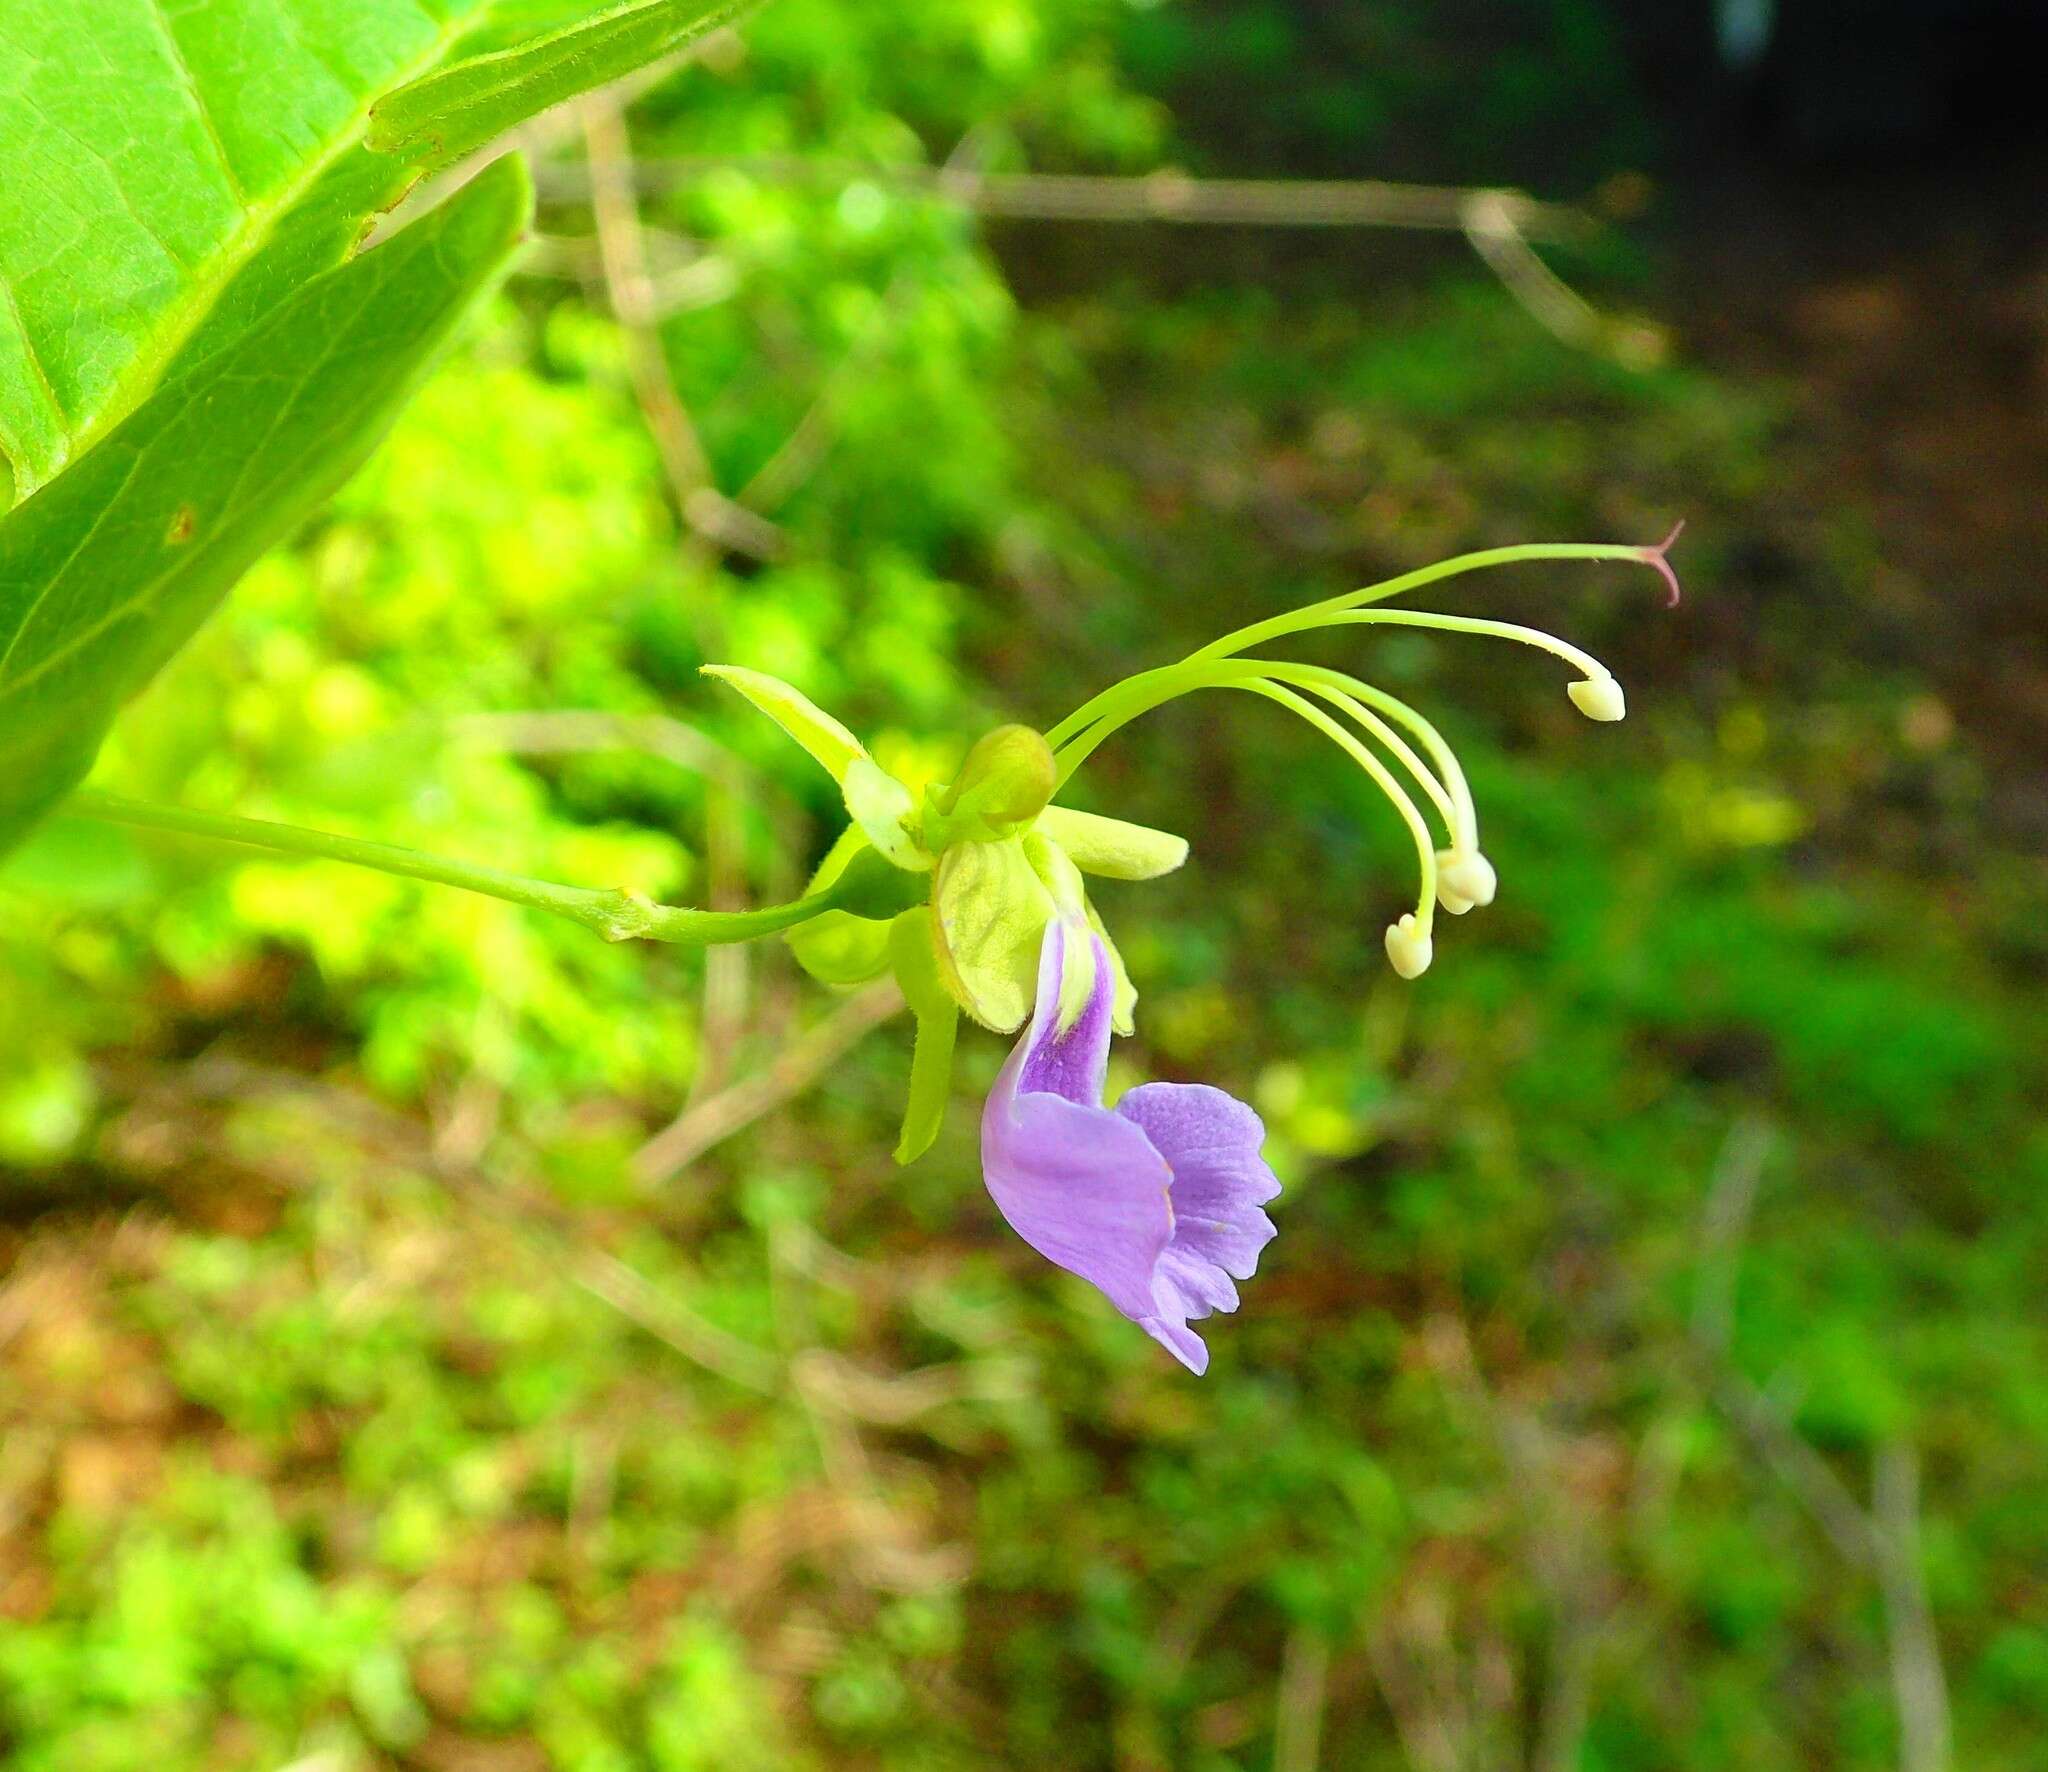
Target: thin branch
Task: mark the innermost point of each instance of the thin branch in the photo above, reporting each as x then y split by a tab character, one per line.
800	1064
1885	1541
1493	223
1167	195
1918	1686
1303	1692
615	206
543	730
1430	1722
1502	226
811	437
1567	1559
622	250
799	453
1731	1197
657	1311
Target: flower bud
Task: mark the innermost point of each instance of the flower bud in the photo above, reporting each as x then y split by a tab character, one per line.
1464	878
1408	946
1004	784
1598	698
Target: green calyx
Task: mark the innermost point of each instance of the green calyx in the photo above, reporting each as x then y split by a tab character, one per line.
872	888
953	895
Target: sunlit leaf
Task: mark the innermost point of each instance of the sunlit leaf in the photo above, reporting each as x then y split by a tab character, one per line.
457	109
107	570
173	170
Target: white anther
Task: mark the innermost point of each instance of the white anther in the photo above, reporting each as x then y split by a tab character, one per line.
1408	946
1464	878
1598	698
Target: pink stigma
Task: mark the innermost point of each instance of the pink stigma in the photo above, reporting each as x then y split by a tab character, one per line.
1658	557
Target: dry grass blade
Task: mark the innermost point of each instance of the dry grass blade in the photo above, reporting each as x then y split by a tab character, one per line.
800	1064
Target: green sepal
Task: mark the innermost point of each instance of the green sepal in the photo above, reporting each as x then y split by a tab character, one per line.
1111	847
875	800
841	949
871	886
913	952
990	910
846	947
829	742
849	843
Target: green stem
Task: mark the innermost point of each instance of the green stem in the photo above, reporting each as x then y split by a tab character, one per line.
613	913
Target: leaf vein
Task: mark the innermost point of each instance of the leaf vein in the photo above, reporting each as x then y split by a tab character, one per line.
28	348
194	91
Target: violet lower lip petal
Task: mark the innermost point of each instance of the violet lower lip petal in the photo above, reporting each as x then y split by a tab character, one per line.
1157	1201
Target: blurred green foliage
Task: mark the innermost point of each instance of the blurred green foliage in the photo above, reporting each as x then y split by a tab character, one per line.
363	1404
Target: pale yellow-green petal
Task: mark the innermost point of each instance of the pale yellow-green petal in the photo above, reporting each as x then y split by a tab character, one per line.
1123	1004
1069	894
1112	847
879	804
991	910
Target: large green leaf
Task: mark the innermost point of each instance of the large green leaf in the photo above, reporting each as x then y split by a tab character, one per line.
189	356
456	109
107	570
173	168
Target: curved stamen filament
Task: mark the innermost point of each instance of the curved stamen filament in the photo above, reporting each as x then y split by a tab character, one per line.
1447	786
1472	624
1139	695
1382	778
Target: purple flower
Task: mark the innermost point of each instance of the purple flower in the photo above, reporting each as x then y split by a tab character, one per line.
1157	1200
